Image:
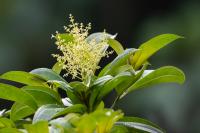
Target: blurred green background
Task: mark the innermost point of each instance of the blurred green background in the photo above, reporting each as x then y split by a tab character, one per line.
25	44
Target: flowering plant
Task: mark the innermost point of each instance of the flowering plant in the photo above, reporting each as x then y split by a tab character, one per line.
39	108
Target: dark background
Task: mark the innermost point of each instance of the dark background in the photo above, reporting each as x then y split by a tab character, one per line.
25	44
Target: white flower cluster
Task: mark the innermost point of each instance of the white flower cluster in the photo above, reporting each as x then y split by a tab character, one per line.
79	57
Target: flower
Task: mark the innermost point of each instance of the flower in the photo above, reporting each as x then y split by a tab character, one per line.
80	57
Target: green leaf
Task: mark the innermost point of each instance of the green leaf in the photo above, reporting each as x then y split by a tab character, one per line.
43	95
71	92
132	79
66	101
104	70
99	36
110	85
78	86
102	80
19	111
77	108
140	124
20	123
60	84
74	97
119	129
100	121
96	87
148	48
114	44
5	122
119	61
47	112
100	106
87	124
63	124
10	130
2	112
39	127
23	77
167	74
47	74
123	69
57	68
12	93
93	98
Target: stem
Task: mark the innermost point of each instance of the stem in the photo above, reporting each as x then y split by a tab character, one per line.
115	101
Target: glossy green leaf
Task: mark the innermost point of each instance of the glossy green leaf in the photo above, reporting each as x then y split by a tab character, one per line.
93	98
74	97
47	112
43	95
57	68
110	85
102	80
77	108
140	124
114	44
124	68
47	74
100	121
2	112
148	48
132	79
96	88
12	93
119	61
99	36
71	93
100	106
10	130
20	123
167	74
87	124
23	77
39	127
64	124
119	129
60	84
5	122
67	102
19	111
104	70
78	86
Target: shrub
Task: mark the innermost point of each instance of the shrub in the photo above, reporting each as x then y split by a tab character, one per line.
39	108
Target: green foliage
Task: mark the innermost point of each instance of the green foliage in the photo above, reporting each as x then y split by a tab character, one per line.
100	121
120	60
39	127
49	111
165	74
138	124
148	48
12	93
19	111
23	77
39	107
43	95
47	74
